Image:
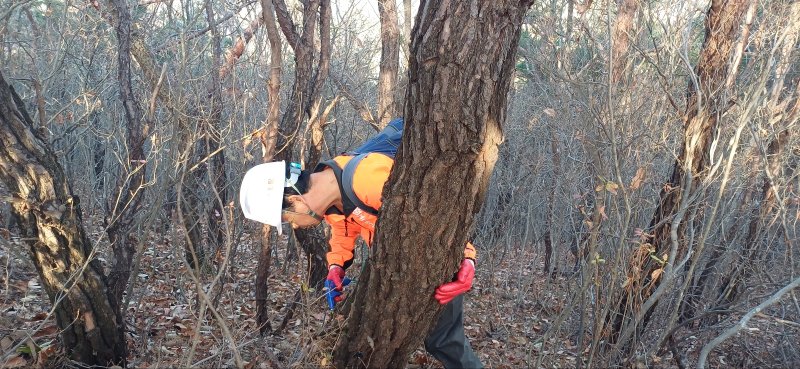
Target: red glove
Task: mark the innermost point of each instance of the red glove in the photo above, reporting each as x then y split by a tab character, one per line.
336	275
463	283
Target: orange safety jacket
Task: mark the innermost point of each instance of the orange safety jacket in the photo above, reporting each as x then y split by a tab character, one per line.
368	180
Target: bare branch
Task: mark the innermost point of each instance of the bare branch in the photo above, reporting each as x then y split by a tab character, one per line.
701	361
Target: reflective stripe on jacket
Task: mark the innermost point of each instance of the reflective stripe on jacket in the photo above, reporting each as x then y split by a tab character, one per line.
368	180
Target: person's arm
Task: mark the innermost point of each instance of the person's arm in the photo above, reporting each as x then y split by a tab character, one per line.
343	240
463	279
470	252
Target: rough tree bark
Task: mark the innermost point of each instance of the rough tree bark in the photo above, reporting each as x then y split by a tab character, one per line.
390	61
49	220
122	207
462	59
705	104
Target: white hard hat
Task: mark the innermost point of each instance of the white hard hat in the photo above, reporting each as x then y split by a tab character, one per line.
261	194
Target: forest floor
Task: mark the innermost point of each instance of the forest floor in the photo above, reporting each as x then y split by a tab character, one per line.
507	315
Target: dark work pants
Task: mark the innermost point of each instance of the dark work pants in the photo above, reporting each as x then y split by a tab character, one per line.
447	342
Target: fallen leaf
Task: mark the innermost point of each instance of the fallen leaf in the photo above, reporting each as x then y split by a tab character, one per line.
50	330
46	353
15	362
6	343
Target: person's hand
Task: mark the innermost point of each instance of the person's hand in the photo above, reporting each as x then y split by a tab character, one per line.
336	276
335	282
461	284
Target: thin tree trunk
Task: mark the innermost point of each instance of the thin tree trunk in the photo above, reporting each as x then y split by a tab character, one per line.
753	243
406	38
390	61
212	139
300	100
49	219
316	119
36	80
305	92
127	200
552	239
189	202
706	103
268	137
463	56
621	37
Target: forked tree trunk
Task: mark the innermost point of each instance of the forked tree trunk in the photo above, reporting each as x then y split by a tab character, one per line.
462	60
305	94
49	219
704	107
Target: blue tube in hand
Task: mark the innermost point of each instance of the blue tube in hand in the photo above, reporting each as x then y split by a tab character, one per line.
331	293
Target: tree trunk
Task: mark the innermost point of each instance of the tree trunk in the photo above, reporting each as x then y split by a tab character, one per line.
303	46
49	219
127	201
305	94
729	288
621	37
463	56
700	122
217	177
268	137
390	61
784	103
188	204
552	237
407	22
316	119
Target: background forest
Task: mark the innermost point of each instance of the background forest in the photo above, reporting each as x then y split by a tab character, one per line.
643	211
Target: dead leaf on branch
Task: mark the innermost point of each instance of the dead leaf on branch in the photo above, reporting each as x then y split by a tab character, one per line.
602	211
637	180
656	273
612	187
